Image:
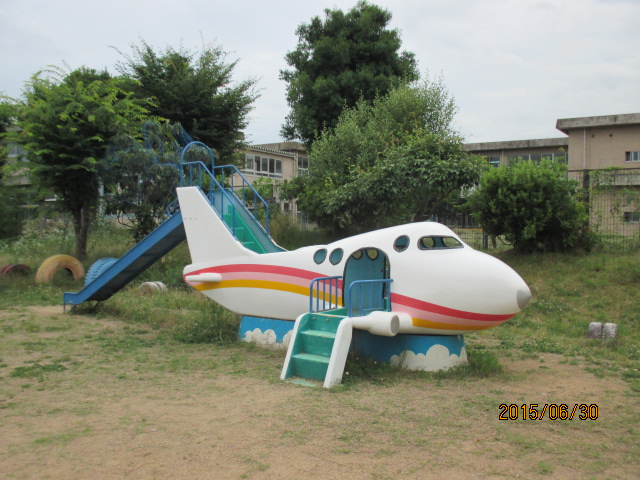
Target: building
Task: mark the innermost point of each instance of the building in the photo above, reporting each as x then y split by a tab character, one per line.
276	162
501	153
602	142
602	153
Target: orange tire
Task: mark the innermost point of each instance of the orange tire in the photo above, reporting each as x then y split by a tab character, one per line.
54	264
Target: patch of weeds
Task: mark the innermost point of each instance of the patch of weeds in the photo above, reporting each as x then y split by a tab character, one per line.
255	466
37	371
633	377
220	327
36	346
63	327
544	468
61	438
361	369
541	345
547	306
31	327
483	363
125	344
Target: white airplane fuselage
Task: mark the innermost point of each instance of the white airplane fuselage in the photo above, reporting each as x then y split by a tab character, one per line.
440	285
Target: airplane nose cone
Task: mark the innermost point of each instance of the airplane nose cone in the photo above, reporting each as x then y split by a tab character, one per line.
523	297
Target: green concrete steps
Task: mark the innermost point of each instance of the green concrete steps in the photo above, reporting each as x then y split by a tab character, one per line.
243	233
313	345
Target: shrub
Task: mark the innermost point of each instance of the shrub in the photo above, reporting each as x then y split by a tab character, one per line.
535	207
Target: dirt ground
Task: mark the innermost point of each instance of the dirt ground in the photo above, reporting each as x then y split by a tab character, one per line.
89	398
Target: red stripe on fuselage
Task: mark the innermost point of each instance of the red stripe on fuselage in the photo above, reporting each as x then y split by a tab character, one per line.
397	299
252	267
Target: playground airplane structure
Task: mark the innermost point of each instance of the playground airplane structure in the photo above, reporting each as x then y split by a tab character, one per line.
418	279
404	294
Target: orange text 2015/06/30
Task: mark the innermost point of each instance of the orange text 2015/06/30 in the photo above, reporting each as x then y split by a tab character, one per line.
551	411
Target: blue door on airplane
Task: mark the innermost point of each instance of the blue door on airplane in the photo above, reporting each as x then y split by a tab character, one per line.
366	264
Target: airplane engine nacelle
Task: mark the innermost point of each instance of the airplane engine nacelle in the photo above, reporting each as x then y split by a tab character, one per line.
386	324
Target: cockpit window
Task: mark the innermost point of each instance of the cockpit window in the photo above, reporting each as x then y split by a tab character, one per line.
320	256
438	243
401	243
336	256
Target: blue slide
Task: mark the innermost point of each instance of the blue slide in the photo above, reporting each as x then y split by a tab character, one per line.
234	212
144	254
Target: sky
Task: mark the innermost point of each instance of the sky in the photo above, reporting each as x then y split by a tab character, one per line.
513	66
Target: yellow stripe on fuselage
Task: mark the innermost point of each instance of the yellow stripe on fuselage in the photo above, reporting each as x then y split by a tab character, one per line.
418	322
266	285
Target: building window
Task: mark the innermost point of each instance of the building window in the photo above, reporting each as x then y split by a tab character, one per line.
263	166
633	157
632	217
303	164
537	157
493	161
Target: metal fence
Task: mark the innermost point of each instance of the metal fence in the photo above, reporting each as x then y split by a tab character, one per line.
612	198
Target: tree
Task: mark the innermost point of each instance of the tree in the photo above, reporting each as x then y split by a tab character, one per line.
194	90
339	61
65	126
8	112
142	177
535	206
389	161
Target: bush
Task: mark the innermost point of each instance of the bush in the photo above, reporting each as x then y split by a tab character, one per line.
535	207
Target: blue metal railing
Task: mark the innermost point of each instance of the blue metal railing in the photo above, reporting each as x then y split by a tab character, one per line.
364	296
371	295
318	293
197	174
244	191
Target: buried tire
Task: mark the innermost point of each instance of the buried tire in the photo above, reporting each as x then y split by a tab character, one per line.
149	288
54	264
98	268
13	269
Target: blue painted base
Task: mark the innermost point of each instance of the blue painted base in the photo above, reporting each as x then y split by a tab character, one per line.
413	352
267	332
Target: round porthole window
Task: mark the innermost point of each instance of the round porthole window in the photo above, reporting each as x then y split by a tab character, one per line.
320	256
336	256
401	243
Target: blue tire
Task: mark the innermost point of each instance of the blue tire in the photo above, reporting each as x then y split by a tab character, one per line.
98	268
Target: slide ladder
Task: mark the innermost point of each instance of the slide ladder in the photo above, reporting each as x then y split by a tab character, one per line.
235	211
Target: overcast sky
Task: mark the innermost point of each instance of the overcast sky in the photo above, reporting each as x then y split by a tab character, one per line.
513	66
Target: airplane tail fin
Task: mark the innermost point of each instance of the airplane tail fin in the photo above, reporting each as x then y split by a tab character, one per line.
208	237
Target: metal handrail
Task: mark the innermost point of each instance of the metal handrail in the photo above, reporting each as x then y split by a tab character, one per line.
320	293
245	185
194	173
381	301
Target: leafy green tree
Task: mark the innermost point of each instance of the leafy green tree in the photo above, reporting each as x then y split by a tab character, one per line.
195	90
8	113
535	206
65	125
338	61
141	177
389	161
